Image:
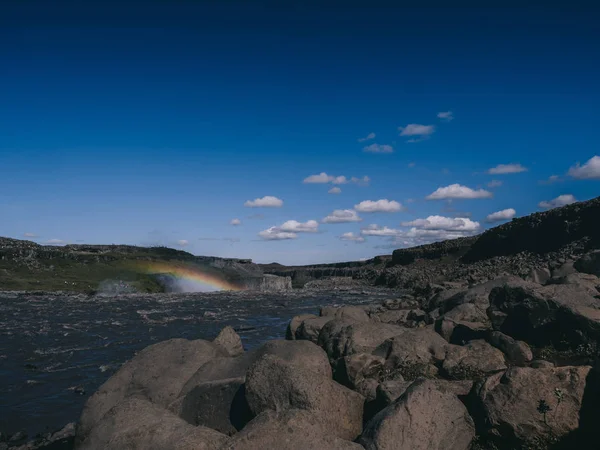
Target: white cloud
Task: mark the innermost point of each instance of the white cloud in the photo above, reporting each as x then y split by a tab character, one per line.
182	242
323	178
265	202
589	171
276	234
446	115
376	230
443	223
235	222
459	192
494	184
335	190
557	202
502	169
383	205
342	216
368	138
55	242
30	235
378	148
499	216
415	129
352	237
293	226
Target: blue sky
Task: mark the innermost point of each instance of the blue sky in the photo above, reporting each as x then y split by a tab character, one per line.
155	125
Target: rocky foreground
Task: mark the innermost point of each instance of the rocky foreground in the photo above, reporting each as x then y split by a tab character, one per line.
502	365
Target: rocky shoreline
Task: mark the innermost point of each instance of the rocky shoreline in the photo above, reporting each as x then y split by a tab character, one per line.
507	364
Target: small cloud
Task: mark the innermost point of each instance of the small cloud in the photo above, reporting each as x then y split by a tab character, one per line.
30	235
368	138
364	181
499	216
378	148
415	129
410	200
352	237
276	234
265	202
412	164
376	230
443	223
323	178
256	216
235	222
494	184
502	169
589	171
384	205
456	191
561	200
293	226
182	242
551	179
55	242
342	216
446	116
335	190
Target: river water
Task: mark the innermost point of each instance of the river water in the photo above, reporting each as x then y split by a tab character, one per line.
57	349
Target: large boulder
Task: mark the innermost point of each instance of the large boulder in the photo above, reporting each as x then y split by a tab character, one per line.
389	391
354	369
546	315
291	429
472	361
310	328
403	317
588	282
274	384
517	352
355	313
423	418
528	405
156	373
290	332
137	424
589	263
229	341
413	353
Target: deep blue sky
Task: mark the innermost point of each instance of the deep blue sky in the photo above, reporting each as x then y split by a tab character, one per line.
153	123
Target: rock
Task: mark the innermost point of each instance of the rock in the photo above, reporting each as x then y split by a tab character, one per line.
467	312
18	436
589	263
439	299
422	418
310	328
355	313
137	424
157	373
539	275
460	332
566	269
511	402
389	391
403	317
291	429
274	384
229	341
517	352
589	283
546	315
474	360
342	339
413	353
290	332
268	283
541	364
354	369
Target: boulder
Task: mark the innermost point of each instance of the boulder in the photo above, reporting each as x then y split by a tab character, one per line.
589	283
565	269
354	369
460	332
439	299
229	341
274	384
467	312
355	313
389	391
539	275
290	429
423	418
413	353
402	317
589	263
310	328
512	405
138	424
341	338
156	373
472	361
290	332
517	352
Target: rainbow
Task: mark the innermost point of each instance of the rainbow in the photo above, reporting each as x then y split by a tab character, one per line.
206	281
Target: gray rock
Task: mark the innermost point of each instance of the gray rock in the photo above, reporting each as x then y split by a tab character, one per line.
354	369
423	418
541	364
156	373
389	391
517	352
137	424
590	283
355	313
402	317
291	429
229	341
290	332
310	328
460	332
273	384
474	360
589	263
539	275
